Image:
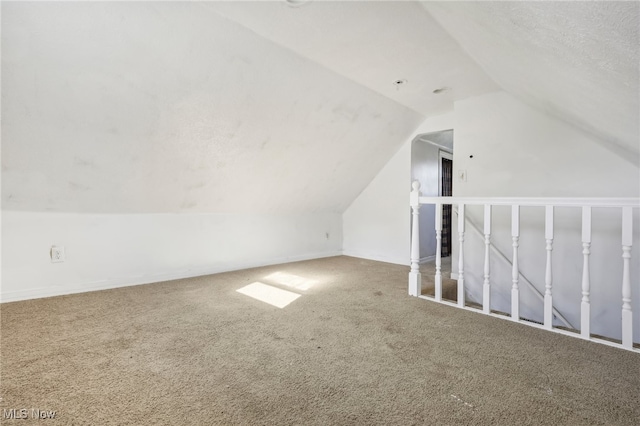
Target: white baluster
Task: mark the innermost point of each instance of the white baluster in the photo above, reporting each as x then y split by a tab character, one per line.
515	291
548	299
585	305
415	279
627	314
461	255
438	277
486	288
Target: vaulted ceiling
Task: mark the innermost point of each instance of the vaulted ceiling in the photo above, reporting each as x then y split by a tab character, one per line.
373	44
261	106
575	60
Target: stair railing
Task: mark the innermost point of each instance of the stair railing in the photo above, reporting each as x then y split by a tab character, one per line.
495	250
625	205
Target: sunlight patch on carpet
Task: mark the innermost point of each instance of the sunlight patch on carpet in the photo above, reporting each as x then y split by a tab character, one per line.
291	280
268	294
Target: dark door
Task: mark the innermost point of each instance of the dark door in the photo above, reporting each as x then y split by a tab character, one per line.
446	190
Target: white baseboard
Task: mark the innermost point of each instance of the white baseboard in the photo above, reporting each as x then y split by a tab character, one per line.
376	257
38	293
454	276
427	259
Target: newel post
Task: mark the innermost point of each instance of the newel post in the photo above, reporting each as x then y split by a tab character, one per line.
415	284
627	313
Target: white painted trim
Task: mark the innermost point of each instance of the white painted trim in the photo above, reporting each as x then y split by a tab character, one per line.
445	153
424	137
376	257
454	276
427	259
535	201
15	296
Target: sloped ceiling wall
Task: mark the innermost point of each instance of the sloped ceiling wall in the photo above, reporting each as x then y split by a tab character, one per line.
169	107
373	44
260	107
577	61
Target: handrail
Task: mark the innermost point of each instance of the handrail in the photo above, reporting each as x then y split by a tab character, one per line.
535	201
626	206
525	279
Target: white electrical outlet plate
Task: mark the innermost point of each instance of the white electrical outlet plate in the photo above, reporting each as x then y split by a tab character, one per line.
57	254
462	175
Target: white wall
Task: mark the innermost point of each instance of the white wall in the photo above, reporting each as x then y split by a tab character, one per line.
518	151
106	251
377	224
160	140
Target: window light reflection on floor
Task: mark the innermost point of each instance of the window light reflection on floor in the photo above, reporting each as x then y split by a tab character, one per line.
268	294
291	280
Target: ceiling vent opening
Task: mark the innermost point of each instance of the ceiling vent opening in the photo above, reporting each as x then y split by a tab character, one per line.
441	90
297	3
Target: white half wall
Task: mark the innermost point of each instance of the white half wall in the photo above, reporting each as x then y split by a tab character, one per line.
107	251
377	224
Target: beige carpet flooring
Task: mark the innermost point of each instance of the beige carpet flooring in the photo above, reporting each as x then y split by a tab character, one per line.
353	349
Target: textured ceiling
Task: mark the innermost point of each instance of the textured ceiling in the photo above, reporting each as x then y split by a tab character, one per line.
120	107
575	60
261	107
215	107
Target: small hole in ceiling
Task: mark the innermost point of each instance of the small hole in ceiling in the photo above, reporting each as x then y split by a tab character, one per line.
441	90
400	82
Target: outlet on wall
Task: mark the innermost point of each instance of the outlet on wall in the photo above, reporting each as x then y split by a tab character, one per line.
57	254
462	175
